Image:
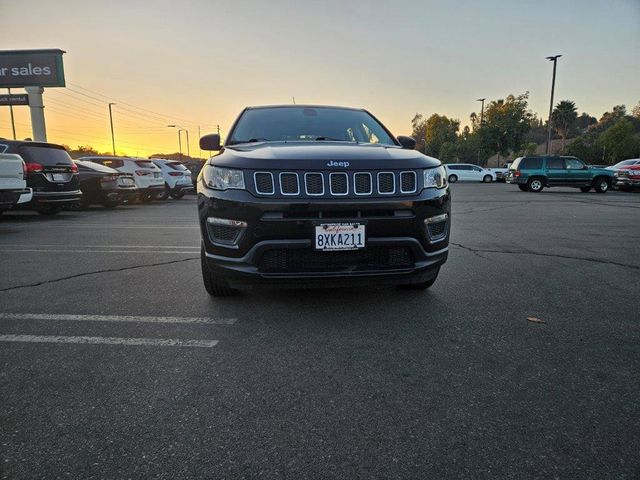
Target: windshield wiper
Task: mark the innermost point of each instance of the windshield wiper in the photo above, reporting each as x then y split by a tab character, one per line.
251	140
330	139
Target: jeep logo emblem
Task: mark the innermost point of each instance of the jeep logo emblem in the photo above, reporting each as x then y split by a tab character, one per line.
337	164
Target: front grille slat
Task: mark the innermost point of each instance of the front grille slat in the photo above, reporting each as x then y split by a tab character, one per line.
386	183
264	183
314	183
336	184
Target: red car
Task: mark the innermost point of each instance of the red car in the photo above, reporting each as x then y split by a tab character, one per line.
628	178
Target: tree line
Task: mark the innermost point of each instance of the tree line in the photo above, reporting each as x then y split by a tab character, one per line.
509	129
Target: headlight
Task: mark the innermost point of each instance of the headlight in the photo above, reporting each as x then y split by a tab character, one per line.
223	178
435	177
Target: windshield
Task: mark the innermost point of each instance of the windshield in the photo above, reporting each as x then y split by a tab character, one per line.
44	155
308	124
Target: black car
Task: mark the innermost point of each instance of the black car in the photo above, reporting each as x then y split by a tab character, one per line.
322	196
104	185
50	173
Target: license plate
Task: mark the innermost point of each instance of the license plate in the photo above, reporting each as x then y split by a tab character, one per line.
339	236
59	177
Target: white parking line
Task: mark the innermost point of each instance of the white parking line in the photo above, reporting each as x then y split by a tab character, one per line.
115	318
60	250
154	342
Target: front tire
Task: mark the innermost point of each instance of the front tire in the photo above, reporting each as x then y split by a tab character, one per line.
487	179
147	197
585	189
213	287
535	185
601	185
523	188
453	178
177	195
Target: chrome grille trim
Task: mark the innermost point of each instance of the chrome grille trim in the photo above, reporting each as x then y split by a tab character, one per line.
255	183
306	185
394	183
297	192
346	184
355	183
415	181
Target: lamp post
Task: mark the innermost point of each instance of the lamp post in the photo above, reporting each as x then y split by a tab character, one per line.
113	140
554	59
481	110
181	129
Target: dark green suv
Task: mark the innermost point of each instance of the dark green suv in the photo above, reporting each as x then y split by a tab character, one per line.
532	174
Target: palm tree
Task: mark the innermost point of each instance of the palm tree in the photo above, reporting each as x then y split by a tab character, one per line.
564	118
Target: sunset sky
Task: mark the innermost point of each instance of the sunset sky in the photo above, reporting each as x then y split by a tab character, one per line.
200	62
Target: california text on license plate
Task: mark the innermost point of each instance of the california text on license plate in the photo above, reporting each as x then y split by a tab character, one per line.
339	236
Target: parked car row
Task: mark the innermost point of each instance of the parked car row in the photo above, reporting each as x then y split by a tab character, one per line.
534	173
43	177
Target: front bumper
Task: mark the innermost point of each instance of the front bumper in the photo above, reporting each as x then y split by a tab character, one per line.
284	230
623	182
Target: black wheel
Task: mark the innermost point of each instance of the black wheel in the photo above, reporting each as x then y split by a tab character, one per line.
585	189
523	188
601	185
177	195
147	197
422	285
48	211
535	184
453	178
487	179
213	287
164	195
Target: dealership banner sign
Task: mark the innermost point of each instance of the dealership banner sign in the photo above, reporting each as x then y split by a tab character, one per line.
14	99
31	68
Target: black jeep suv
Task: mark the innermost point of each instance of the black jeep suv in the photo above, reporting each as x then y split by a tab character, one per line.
50	173
324	196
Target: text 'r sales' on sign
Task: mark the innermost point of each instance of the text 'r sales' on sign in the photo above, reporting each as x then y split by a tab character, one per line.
31	68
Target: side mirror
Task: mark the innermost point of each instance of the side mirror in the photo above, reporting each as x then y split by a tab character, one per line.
210	142
407	143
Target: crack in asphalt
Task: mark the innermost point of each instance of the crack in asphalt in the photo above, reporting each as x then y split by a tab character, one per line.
476	251
479	210
95	272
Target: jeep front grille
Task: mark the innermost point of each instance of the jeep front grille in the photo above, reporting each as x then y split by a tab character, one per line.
336	184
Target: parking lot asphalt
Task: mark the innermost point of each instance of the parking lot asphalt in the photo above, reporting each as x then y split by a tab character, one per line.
453	382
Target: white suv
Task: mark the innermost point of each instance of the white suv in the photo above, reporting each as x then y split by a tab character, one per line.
13	182
177	178
147	176
468	172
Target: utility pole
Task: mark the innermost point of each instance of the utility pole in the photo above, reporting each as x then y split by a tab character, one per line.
554	59
199	149
13	125
180	143
113	139
218	127
481	110
188	153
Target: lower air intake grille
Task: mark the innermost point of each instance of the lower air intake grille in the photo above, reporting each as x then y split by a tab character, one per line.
302	260
224	234
437	230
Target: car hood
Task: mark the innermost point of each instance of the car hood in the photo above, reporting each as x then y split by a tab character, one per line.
320	156
603	171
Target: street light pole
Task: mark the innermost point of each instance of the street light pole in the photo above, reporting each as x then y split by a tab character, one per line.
180	142
13	125
481	110
113	140
554	59
199	149
188	152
